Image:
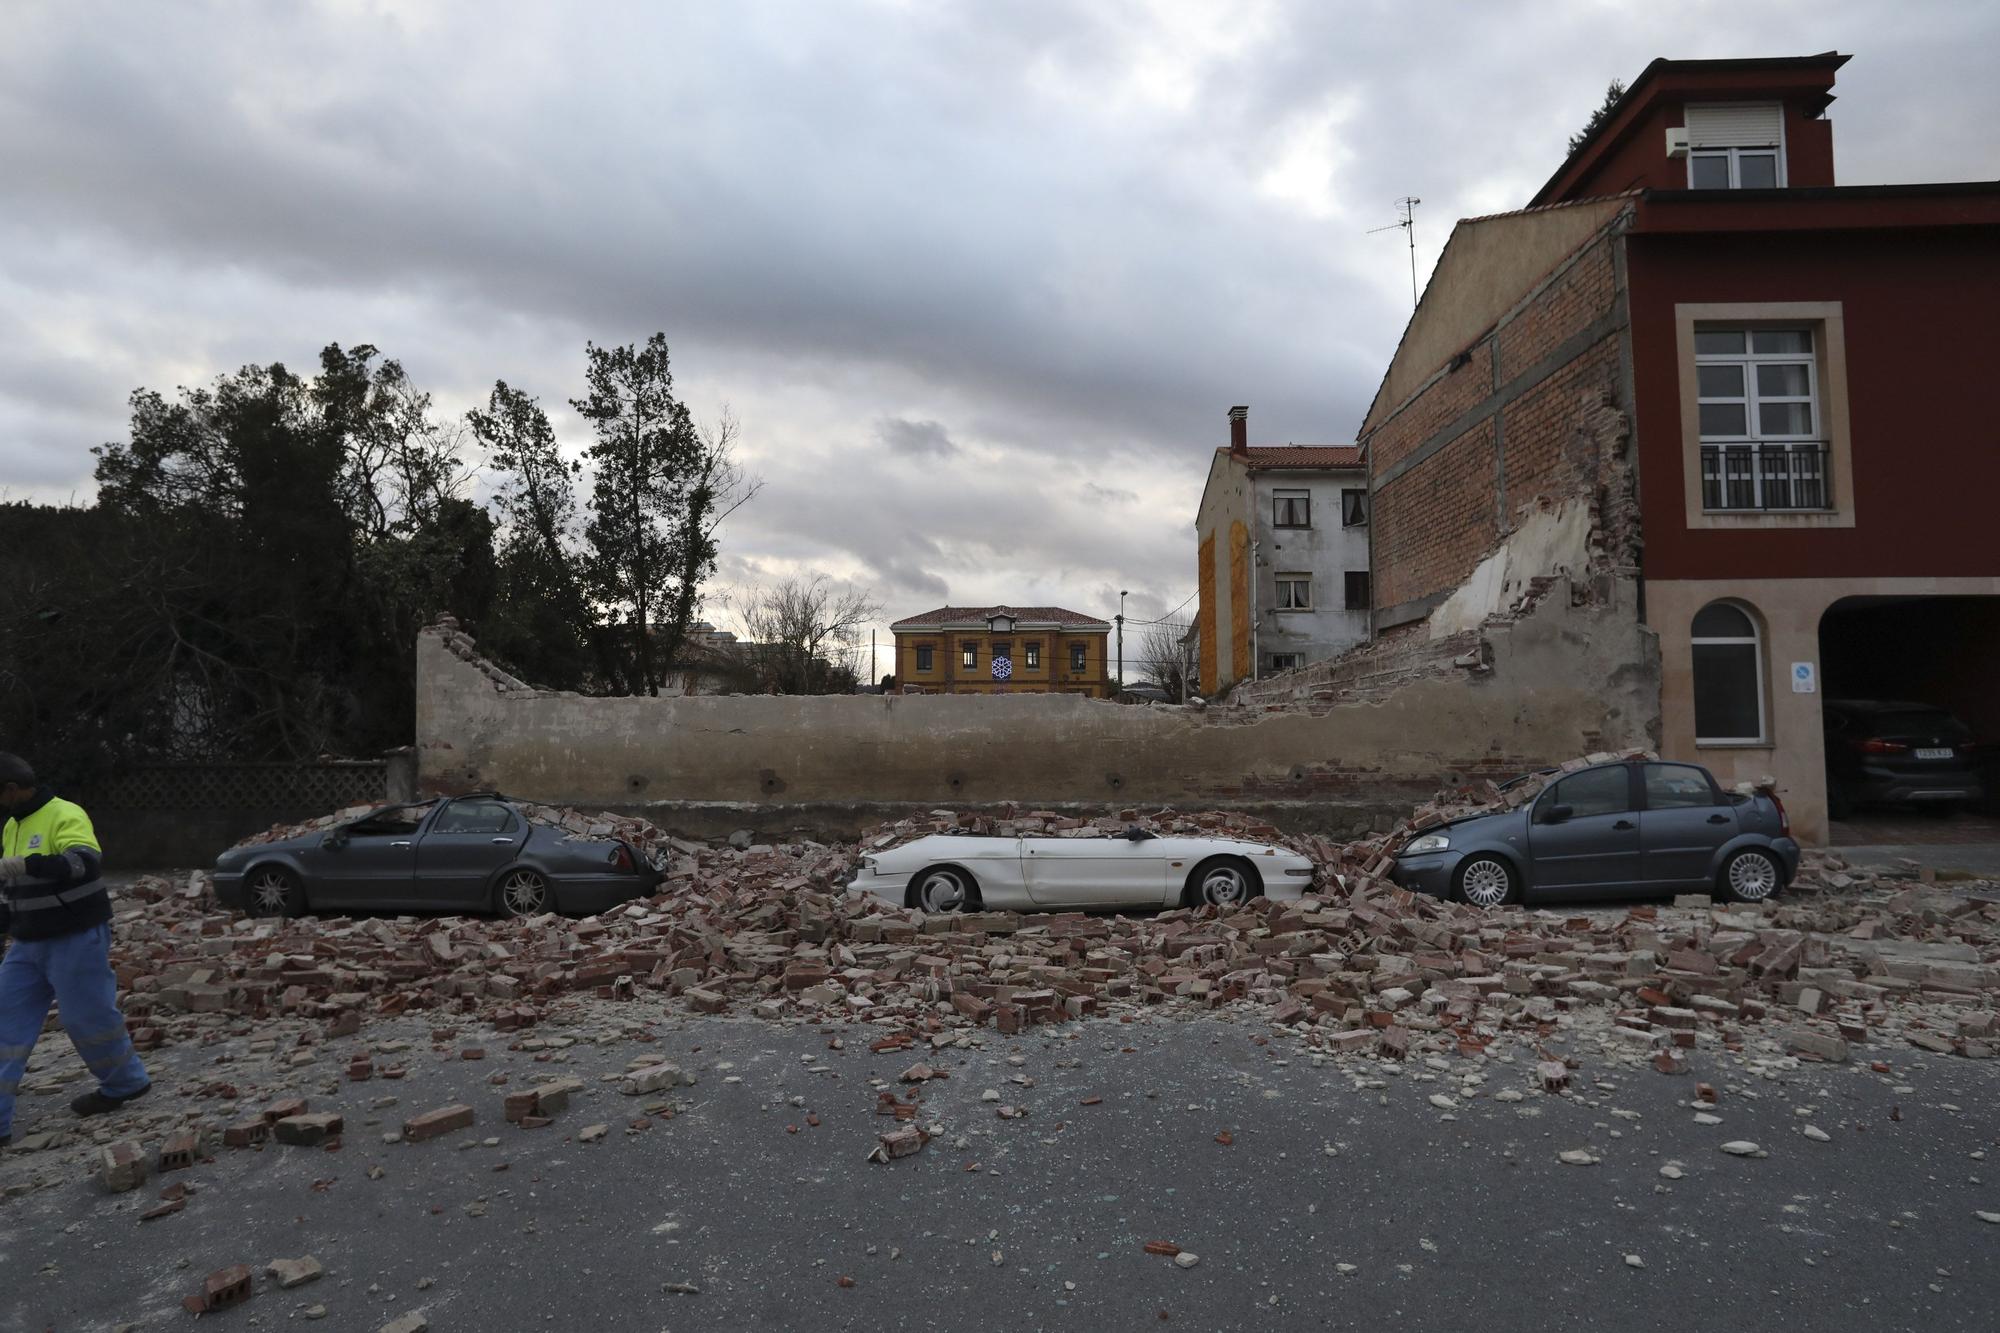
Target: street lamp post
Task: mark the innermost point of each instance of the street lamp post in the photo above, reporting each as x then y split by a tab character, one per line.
1121	640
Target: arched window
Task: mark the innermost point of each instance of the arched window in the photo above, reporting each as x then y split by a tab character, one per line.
1728	676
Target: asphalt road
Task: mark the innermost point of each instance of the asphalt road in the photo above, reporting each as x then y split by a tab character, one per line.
1345	1198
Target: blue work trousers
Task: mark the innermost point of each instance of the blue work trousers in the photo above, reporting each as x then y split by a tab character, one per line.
74	971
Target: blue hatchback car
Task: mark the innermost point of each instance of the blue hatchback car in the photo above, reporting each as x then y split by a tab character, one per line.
1625	829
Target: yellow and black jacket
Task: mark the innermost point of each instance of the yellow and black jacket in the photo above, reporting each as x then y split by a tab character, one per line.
63	891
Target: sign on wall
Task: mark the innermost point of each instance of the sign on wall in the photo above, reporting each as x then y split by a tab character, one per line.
1805	678
1003	668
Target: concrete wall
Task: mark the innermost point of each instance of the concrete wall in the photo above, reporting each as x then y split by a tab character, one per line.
1326	551
1788	614
1561	683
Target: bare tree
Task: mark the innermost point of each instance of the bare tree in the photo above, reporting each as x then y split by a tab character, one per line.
804	635
1163	659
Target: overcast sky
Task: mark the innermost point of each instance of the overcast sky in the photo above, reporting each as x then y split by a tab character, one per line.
980	280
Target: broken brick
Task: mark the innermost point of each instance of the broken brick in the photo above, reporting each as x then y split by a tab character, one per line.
308	1130
433	1123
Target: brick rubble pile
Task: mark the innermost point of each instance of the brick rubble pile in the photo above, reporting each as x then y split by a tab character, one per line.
1359	965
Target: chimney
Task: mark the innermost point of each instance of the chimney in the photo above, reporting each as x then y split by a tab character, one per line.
1239	431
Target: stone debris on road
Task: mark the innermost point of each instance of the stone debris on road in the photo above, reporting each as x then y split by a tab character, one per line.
1847	956
289	1273
1359	973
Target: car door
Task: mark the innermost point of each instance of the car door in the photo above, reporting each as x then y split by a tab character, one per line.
1685	821
1093	872
1584	837
369	863
463	846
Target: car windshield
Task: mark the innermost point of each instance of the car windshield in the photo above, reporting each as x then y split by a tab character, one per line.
393	819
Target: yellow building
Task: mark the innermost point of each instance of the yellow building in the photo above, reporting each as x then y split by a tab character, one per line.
1003	650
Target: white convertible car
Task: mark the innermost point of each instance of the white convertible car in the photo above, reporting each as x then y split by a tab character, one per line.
948	873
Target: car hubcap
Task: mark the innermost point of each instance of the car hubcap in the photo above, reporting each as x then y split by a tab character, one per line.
524	894
270	893
1222	887
1752	877
1485	884
941	893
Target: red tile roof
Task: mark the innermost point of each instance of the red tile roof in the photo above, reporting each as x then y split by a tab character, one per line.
1023	615
1260	457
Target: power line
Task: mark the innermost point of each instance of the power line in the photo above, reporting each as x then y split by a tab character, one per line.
1168	616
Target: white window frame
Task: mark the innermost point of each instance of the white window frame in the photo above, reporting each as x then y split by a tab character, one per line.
1033	652
1756	641
1280	500
1753	398
1734	156
1732	151
1289	592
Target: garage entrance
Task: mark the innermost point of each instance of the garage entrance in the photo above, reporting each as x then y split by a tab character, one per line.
1911	712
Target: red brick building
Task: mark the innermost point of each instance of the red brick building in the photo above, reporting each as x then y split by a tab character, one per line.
1697	364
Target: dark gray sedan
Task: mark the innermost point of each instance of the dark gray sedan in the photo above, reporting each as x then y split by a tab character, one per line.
466	854
1616	830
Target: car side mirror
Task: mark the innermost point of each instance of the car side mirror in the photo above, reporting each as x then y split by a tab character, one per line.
1557	814
335	840
1137	834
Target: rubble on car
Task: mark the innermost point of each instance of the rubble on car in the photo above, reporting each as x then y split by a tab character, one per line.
1848	955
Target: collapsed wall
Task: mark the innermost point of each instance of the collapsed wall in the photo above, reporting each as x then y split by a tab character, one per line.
1346	756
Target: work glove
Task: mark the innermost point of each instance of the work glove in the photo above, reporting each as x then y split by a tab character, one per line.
13	867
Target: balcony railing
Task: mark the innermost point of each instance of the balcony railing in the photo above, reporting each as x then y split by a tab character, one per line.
1765	476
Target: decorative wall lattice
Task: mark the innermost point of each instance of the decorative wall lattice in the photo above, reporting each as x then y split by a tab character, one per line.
310	787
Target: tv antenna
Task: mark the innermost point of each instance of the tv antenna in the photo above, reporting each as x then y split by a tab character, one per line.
1409	228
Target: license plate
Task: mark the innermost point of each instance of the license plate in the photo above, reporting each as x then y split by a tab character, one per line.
1934	754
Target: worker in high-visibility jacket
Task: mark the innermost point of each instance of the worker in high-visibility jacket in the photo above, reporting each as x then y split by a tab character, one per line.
53	904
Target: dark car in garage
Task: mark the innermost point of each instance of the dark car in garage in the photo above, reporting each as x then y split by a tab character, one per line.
463	854
1884	753
1625	829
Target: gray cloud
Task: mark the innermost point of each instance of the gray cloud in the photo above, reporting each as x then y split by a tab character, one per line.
1075	233
915	438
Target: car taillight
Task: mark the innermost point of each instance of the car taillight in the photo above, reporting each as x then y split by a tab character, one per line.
1876	745
621	858
1784	820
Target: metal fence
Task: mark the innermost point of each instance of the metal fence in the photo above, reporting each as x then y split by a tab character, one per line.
306	787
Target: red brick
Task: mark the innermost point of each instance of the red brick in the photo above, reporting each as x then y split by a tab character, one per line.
226	1287
433	1123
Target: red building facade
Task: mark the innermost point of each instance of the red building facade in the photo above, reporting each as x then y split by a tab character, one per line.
1698	363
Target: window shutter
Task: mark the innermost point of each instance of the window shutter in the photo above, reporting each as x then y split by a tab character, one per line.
1725	126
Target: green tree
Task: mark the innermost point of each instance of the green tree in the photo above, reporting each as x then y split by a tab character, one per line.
293	536
661	487
1599	116
542	624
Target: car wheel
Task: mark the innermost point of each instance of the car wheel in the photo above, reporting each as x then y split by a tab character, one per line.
1222	881
1750	876
273	891
525	892
1487	881
942	890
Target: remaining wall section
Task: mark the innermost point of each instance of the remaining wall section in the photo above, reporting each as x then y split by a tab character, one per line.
1555	684
1529	417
